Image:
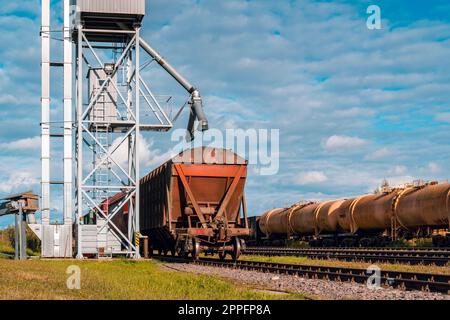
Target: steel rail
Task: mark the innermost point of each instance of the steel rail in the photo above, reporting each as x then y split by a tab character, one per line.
419	249
415	253
412	258
421	253
389	279
441	257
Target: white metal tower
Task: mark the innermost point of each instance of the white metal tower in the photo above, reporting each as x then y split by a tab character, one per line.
56	238
113	105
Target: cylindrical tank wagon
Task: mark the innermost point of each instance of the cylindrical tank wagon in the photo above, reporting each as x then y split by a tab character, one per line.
423	207
407	212
194	203
372	213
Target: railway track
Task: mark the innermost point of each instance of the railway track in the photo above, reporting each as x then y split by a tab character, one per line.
413	257
394	279
409	249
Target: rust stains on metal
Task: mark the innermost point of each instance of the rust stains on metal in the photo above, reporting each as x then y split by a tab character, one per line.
409	208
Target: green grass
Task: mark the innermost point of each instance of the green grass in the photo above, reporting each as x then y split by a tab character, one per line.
118	279
6	249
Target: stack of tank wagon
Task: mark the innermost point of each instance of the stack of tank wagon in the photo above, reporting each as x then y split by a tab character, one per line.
194	203
415	211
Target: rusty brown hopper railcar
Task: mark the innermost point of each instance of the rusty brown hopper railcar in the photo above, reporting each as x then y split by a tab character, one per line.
193	203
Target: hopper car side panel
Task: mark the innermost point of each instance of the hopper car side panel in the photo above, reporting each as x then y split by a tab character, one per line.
168	210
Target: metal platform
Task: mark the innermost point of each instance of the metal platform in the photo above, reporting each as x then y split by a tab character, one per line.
119	17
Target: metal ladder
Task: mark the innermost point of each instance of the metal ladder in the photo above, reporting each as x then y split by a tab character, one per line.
102	175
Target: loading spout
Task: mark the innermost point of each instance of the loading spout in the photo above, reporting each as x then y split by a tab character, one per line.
167	66
196	102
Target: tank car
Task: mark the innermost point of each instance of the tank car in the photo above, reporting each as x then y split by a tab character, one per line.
368	220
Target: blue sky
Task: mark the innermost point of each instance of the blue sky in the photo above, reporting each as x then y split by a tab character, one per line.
353	105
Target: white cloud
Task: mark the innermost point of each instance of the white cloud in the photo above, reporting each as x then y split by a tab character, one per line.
338	143
379	154
433	167
399	170
354	112
20	181
149	155
22	144
310	177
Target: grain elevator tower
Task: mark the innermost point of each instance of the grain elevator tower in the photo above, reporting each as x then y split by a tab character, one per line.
113	106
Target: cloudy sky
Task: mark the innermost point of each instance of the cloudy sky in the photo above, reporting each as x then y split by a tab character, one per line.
353	105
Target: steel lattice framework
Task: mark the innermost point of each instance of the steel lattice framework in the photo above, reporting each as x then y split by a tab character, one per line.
123	127
113	105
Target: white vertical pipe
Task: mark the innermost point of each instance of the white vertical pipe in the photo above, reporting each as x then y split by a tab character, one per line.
131	170
138	133
67	116
79	141
45	117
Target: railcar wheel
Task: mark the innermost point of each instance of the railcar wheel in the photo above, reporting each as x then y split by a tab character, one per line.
195	249
222	255
236	249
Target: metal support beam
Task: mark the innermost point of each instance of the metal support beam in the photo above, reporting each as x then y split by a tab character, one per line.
23	233
16	236
67	117
244	209
191	196
79	150
230	192
138	135
45	117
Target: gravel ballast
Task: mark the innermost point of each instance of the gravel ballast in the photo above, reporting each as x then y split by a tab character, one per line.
313	288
